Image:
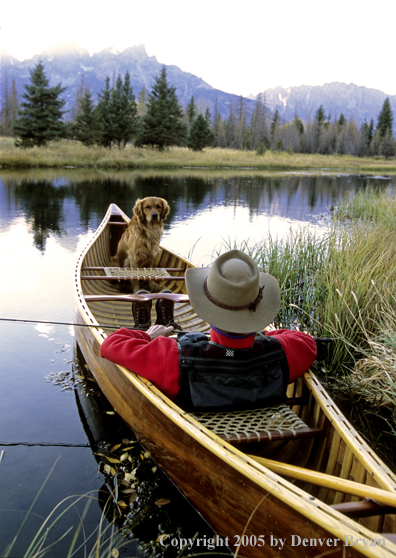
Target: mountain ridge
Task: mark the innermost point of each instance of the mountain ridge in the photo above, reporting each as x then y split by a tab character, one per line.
70	64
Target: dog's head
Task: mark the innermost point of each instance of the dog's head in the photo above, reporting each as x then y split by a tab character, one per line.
151	210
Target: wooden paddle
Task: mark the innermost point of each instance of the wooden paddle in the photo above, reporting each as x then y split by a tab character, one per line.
328	481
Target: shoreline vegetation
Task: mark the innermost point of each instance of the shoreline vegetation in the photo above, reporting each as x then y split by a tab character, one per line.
72	154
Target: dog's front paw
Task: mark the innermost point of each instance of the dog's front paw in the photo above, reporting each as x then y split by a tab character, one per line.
153	287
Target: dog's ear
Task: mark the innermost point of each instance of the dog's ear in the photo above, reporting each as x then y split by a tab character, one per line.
138	210
165	209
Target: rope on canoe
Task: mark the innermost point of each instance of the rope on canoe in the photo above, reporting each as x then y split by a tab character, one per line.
252	425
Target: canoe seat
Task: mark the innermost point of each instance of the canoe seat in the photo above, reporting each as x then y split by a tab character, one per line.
257	425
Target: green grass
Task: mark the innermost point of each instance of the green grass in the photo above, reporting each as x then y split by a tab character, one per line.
73	154
369	207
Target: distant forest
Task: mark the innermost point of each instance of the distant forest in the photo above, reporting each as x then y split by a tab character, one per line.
156	118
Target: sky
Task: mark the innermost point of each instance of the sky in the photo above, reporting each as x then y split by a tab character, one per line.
238	47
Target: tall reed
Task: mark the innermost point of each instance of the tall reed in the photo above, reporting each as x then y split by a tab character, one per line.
369	206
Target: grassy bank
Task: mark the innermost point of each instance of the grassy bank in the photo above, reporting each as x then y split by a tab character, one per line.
342	285
73	154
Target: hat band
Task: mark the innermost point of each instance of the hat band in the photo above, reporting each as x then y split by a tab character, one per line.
251	306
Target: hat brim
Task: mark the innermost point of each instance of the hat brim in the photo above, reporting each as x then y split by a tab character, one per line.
233	321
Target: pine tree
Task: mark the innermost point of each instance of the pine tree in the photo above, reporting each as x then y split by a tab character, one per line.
385	119
76	108
163	126
274	129
191	113
40	118
208	116
10	108
259	125
231	128
388	145
342	120
86	127
103	108
320	119
200	134
123	112
241	125
142	102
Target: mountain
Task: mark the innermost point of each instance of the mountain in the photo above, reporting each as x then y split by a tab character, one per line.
353	101
70	64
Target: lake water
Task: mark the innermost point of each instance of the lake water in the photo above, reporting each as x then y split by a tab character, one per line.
47	217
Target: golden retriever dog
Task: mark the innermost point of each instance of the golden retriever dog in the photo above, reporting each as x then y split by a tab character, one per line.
139	245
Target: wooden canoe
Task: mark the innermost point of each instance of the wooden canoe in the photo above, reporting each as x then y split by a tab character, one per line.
308	487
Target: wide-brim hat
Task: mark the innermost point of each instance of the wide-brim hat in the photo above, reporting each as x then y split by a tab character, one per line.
232	294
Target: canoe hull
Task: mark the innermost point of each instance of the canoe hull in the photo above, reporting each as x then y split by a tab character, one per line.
238	497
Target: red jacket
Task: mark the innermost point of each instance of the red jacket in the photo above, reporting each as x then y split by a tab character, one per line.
158	359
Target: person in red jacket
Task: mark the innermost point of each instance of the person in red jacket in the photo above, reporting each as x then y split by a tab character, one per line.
239	365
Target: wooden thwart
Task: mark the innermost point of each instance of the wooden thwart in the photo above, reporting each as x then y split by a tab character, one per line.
130	278
136	298
328	481
363	508
132	274
93	268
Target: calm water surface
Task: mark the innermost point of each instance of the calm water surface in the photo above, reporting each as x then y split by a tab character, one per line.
47	218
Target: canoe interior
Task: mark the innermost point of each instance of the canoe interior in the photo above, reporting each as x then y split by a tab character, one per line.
341	452
119	314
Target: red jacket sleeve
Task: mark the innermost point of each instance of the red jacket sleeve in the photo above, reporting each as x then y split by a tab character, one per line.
300	350
157	359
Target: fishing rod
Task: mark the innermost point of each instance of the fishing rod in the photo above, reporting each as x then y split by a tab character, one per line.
65	323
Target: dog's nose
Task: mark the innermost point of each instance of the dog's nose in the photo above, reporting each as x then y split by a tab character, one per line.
154	216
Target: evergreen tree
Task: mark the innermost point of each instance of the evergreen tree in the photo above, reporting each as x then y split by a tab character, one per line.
218	127
388	145
241	125
385	119
231	128
208	116
191	113
259	124
274	123
103	108
200	134
163	126
122	112
320	115
40	118
320	119
274	129
341	120
142	102
366	134
76	108
10	108
86	127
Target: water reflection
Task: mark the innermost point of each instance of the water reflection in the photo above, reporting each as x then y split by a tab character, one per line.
72	201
